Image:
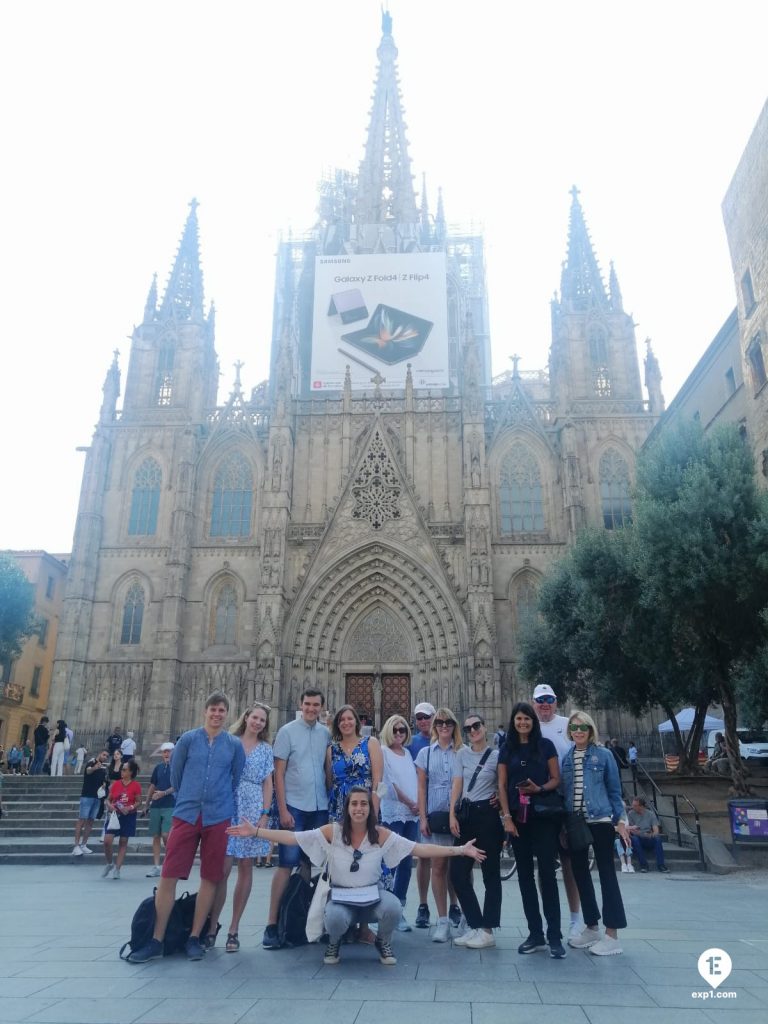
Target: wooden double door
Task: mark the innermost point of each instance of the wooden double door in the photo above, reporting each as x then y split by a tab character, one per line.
379	695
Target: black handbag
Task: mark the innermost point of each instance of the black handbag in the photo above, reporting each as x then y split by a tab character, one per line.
439	821
577	832
548	804
463	807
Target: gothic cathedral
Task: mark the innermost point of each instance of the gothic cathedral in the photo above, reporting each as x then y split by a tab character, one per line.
376	518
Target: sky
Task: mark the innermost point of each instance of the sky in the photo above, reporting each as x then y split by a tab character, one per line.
116	114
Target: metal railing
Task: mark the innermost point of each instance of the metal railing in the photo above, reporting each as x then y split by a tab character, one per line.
681	825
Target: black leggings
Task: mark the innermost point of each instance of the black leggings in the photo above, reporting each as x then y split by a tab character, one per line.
603	836
539	839
485	827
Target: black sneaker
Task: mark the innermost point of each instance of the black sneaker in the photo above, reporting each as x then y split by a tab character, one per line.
386	956
422	916
532	944
152	951
454	915
644	871
557	950
271	939
194	949
664	869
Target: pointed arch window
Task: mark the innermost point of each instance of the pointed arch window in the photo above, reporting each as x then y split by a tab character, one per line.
615	496
164	377
225	616
232	498
525	603
521	493
599	361
145	499
133	615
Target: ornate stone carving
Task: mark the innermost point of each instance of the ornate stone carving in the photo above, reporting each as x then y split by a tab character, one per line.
378	637
376	488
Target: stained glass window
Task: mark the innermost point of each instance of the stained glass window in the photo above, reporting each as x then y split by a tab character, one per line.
615	490
133	615
225	615
145	499
232	498
521	493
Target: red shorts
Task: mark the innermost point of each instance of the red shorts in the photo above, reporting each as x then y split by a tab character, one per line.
182	845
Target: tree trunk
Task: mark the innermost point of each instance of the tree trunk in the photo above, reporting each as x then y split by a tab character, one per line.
694	738
738	772
679	741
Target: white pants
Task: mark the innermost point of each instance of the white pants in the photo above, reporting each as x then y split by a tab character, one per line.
57	759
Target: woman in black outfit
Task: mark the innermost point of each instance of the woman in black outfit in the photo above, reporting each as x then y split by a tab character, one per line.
529	769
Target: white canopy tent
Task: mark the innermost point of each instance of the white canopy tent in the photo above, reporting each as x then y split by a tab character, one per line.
684	721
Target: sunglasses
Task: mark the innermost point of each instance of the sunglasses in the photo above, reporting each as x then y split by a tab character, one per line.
472	726
423	718
545	700
578	728
443	722
400	730
356	858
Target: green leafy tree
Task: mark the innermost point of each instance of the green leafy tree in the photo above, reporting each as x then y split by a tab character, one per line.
17	599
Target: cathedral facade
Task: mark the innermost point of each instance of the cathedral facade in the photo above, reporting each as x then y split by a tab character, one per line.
375	519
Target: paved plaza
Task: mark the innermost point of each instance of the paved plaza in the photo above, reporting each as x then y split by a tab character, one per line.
61	928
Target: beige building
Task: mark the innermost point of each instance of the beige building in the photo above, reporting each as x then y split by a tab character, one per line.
375	519
26	680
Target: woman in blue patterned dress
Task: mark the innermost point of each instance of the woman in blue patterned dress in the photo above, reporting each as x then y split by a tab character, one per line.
252	802
351	761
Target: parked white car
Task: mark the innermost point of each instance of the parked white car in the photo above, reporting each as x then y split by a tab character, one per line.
753	743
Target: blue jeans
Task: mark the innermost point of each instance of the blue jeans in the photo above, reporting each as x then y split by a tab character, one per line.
289	856
408	830
642	843
39	761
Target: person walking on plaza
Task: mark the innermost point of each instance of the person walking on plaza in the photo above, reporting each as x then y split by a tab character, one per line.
128	746
645	834
351	760
26	758
80	755
475	785
124	800
400	800
554	727
300	788
90	802
41	736
159	804
528	769
14	760
59	747
632	759
205	772
592	788
252	803
355	849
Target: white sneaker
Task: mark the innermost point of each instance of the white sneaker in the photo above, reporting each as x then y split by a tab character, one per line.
155	872
442	932
630	869
482	940
402	924
464	940
606	947
116	873
85	849
77	852
107	869
624	867
575	930
584	939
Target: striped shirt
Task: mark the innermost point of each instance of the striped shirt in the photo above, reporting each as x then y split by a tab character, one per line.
578	779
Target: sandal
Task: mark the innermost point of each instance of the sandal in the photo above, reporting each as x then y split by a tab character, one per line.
210	939
233	943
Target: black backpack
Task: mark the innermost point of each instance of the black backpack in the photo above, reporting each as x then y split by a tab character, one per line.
176	933
294	907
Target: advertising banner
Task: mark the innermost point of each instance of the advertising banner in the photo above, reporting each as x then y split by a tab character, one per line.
376	314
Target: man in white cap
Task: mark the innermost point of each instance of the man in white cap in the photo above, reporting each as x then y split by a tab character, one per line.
160	803
554	727
423	714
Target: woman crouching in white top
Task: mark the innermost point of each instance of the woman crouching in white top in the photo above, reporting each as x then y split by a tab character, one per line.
355	849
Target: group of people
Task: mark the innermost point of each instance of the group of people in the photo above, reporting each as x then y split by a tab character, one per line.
358	807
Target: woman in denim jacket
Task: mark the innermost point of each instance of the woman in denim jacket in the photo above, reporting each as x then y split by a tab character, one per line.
590	784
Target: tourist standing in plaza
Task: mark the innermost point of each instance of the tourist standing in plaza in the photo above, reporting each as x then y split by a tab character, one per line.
128	746
475	784
114	742
159	804
205	772
252	803
351	760
400	800
300	787
529	771
124	800
554	727
434	770
591	786
94	779
41	735
59	747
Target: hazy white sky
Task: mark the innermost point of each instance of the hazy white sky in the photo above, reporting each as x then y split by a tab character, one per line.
116	114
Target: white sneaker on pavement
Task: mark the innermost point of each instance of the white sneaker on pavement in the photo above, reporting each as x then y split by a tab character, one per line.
154	872
107	870
116	874
630	869
588	937
481	940
575	930
402	924
624	867
463	940
606	947
442	932
77	852
85	849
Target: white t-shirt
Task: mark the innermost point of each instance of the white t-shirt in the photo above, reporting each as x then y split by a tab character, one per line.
341	857
557	731
128	747
399	771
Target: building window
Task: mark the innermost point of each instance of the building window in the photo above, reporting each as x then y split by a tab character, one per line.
747	293
598	357
232	498
525	600
730	381
50	587
133	615
145	500
34	686
225	616
521	493
164	376
614	490
756	362
42	633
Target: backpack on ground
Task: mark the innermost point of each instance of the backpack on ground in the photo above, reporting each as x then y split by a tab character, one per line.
294	907
176	933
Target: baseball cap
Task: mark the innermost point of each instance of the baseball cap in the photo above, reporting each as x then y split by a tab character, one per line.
424	708
166	746
544	690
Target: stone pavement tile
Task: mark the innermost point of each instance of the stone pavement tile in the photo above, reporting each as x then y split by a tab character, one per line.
23	941
278	1011
575	969
104	988
499	991
257	966
488	1013
760	993
762	974
287	989
369	971
680	995
445	970
23	986
727	1015
92	1011
595	993
65	954
58	969
645	1015
362	989
20	1008
196	1011
391	1012
689	975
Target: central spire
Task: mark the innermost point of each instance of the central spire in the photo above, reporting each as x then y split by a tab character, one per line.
183	299
385	185
581	283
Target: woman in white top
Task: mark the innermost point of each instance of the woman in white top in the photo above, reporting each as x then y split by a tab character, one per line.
355	849
399	799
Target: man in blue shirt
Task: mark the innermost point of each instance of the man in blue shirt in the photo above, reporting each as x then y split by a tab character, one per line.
159	805
205	771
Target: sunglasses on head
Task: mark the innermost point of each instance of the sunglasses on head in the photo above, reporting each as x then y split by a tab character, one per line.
471	726
444	721
578	728
356	858
400	729
544	700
